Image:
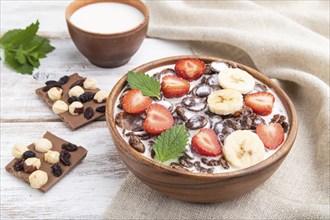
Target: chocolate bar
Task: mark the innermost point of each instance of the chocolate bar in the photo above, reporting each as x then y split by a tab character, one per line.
70	157
86	108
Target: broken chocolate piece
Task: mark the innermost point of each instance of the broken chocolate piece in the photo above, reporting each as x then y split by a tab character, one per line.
73	121
75	159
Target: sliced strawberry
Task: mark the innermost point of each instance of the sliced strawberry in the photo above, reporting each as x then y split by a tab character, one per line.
135	102
158	119
206	143
173	86
271	135
261	102
190	69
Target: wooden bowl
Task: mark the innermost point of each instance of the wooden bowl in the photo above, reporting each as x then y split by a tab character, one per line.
195	187
108	50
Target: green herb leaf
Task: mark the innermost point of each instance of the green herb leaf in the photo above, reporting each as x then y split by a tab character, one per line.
149	86
15	65
171	143
23	48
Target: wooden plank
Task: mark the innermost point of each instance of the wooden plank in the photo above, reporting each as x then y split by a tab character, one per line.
19	14
19	101
83	193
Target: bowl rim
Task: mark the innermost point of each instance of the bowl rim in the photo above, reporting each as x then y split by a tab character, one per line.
103	35
281	152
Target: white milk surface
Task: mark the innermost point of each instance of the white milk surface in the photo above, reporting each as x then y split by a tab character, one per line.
107	17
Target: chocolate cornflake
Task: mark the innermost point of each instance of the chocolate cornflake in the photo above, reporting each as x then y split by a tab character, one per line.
213	163
204	160
188	154
260	87
208	70
176	166
152	153
285	126
210	170
281	120
136	143
185	162
224	163
197	164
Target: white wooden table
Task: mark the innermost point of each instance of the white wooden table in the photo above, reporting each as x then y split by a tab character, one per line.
90	187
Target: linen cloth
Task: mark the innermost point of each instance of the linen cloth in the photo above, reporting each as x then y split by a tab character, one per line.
287	41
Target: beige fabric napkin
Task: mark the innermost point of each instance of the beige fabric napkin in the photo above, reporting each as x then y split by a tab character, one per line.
288	41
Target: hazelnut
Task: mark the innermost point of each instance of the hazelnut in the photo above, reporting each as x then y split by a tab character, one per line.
31	164
55	93
38	179
76	91
43	145
18	150
52	157
100	96
90	83
60	107
76	108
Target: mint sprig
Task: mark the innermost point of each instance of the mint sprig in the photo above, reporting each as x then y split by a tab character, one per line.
171	143
24	48
148	85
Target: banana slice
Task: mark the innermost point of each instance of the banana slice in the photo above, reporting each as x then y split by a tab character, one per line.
225	101
243	149
235	78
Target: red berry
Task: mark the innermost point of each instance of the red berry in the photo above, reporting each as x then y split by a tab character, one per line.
173	86
158	119
190	69
271	135
206	143
261	102
135	102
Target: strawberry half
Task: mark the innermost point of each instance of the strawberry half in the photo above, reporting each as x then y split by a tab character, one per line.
135	102
158	119
173	86
271	135
206	143
190	69
261	102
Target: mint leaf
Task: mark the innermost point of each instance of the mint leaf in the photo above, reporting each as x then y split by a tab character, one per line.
20	57
23	48
149	86
5	39
10	59
171	143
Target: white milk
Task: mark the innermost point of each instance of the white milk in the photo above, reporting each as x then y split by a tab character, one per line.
107	17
